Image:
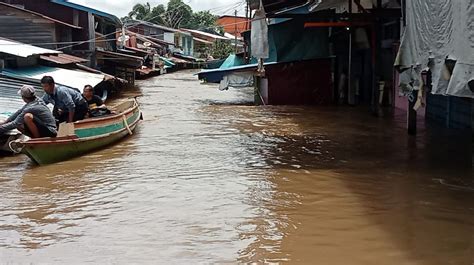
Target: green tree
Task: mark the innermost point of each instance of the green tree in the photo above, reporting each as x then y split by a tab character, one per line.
221	49
178	14
140	11
146	13
203	20
157	14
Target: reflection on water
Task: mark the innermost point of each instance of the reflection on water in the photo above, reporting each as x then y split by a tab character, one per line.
209	178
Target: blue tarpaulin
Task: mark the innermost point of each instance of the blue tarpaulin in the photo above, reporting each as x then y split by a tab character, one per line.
289	41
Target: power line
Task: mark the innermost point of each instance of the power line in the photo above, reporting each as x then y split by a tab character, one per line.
75	43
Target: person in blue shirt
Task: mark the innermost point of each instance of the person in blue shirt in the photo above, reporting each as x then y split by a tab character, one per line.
33	119
69	105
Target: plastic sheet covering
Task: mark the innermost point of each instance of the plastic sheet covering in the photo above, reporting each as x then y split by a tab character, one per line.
438	30
10	101
236	80
259	35
72	78
231	61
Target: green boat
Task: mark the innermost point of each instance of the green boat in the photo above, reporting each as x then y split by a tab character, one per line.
81	137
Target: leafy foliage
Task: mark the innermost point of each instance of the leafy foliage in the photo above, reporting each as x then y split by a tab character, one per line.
221	49
176	14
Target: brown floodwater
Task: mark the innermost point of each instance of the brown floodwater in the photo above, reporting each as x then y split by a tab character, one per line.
209	178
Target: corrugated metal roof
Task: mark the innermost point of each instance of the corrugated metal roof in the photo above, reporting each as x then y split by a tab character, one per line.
63	59
340	5
153	25
22	50
202	33
328	4
88	9
202	41
71	78
40	15
10	101
232	37
120	55
150	39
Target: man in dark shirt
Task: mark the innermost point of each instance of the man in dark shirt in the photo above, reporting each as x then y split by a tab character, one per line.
93	101
33	119
69	104
97	107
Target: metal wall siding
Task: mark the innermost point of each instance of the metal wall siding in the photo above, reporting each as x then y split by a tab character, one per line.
10	101
30	30
452	112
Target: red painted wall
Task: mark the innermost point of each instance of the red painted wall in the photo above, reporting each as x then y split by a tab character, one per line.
229	23
300	83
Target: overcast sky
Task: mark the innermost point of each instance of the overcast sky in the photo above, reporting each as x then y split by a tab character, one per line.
121	8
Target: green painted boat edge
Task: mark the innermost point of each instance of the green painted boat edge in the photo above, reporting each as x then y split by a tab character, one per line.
50	150
92	132
57	152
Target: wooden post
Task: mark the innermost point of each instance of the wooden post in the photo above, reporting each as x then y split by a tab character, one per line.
373	61
411	119
235	31
350	98
448	112
91	25
472	116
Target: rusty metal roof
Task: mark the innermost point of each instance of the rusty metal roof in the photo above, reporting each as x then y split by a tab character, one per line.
40	15
205	34
71	78
21	49
329	4
63	59
276	5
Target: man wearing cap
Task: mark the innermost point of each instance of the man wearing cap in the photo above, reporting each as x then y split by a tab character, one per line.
33	119
68	103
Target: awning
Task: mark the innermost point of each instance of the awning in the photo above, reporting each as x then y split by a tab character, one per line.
202	41
71	78
168	62
88	10
63	59
152	40
40	15
10	101
205	34
216	75
120	58
21	49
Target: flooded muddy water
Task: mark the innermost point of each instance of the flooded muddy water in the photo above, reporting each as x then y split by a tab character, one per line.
210	178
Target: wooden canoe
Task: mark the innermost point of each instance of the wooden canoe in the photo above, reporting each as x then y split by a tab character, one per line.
81	137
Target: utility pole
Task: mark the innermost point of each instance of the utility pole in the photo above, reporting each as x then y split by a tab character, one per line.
247	9
235	30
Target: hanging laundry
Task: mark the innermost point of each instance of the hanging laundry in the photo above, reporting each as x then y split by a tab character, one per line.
259	35
236	80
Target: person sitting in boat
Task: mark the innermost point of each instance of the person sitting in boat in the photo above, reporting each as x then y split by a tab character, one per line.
69	105
96	104
93	101
34	119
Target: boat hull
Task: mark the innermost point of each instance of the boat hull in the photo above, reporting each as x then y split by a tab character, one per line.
89	135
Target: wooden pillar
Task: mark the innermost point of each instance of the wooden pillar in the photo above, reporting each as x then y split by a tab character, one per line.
472	116
411	114
374	66
91	25
261	90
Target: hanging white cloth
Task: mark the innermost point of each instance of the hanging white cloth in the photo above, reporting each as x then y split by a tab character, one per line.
259	34
236	80
437	30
